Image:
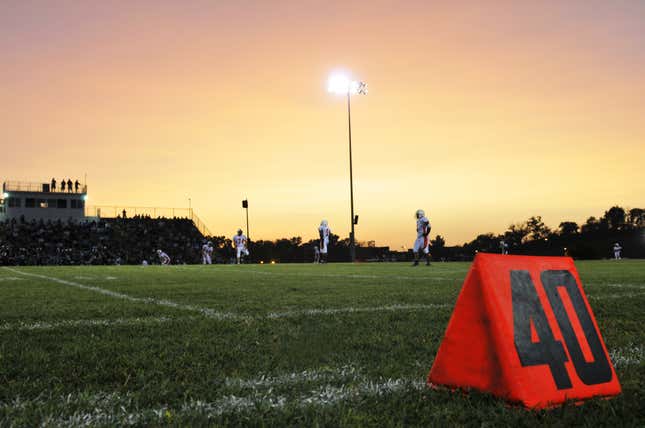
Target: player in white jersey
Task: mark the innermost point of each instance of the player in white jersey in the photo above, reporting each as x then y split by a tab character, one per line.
207	253
324	232
239	242
617	249
422	243
163	257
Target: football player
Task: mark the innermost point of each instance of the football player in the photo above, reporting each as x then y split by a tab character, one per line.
163	257
503	246
239	243
422	243
617	249
207	253
324	232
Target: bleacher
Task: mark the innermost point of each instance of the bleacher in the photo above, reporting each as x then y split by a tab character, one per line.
98	242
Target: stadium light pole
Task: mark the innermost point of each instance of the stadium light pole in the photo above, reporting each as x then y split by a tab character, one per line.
341	84
245	205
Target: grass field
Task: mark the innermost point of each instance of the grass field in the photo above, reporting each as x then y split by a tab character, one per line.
271	345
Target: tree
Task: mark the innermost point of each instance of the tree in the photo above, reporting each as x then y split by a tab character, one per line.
591	225
636	217
537	229
296	241
615	218
486	242
568	228
516	234
438	243
438	247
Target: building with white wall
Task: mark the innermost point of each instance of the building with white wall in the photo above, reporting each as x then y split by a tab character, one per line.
39	201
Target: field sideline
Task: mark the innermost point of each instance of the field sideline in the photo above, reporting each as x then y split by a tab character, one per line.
271	345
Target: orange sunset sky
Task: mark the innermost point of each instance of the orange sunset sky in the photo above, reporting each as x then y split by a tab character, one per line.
481	112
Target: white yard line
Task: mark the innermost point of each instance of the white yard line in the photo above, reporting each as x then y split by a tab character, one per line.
210	313
632	286
10	279
628	356
117	409
614	296
107	322
348	276
324	395
313	312
597	286
348	372
349	310
101	322
92	278
319	387
218	315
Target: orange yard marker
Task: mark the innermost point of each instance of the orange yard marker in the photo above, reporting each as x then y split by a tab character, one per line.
523	330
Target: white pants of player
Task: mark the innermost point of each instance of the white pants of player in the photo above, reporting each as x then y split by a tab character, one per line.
206	259
617	255
421	244
323	245
242	251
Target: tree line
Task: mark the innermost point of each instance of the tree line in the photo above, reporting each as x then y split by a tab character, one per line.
591	240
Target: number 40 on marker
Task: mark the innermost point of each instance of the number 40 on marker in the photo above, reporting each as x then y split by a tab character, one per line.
528	310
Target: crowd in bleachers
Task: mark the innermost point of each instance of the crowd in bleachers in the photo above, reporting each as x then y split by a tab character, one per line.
106	241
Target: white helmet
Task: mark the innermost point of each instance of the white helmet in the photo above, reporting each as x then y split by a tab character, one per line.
158	251
420	213
324	223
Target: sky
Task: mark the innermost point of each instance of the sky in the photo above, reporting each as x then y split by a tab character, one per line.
482	113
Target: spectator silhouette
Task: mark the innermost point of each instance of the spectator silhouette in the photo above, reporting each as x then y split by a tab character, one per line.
53	185
69	185
62	185
124	213
76	186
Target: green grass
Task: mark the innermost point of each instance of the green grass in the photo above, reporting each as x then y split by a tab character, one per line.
238	345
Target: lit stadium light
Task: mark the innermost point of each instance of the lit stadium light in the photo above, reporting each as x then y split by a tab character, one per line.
341	84
5	195
338	84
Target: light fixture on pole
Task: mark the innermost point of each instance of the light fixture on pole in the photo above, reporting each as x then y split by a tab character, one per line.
341	84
